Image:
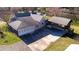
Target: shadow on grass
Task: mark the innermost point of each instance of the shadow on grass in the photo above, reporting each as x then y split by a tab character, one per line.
72	36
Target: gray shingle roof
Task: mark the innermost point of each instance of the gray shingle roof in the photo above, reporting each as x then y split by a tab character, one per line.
60	20
23	22
37	17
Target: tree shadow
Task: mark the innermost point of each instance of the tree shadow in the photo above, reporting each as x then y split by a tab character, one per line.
2	35
72	36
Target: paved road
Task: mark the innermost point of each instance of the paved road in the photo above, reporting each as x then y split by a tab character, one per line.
19	46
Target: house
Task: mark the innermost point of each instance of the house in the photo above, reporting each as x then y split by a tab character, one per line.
60	22
27	24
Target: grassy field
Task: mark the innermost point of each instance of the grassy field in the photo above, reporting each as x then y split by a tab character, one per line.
76	28
62	43
9	37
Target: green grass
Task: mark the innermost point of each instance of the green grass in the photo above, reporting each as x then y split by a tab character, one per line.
61	44
47	17
9	37
76	23
76	28
3	26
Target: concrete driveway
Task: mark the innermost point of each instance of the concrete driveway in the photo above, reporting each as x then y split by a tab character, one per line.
49	36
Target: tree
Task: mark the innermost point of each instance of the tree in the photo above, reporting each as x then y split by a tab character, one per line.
72	11
6	18
42	10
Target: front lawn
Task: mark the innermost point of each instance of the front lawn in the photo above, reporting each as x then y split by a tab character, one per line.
61	44
9	37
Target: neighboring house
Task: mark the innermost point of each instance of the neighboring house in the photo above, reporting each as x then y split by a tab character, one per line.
60	22
27	24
